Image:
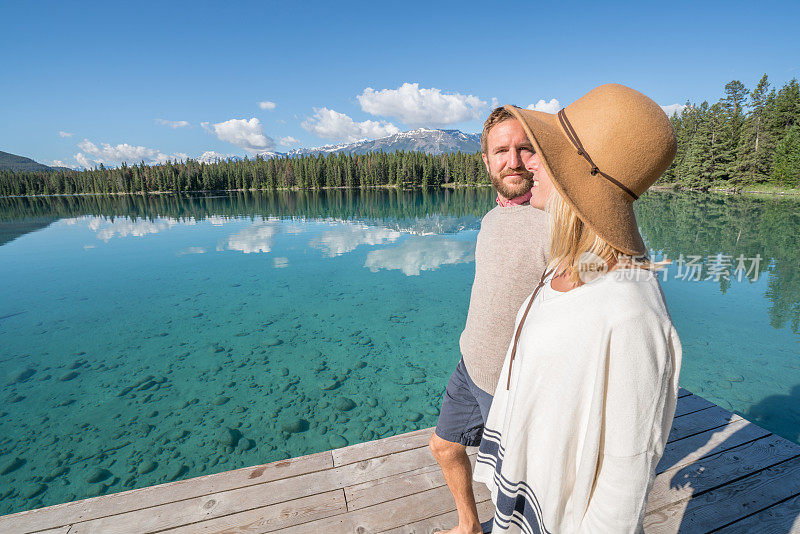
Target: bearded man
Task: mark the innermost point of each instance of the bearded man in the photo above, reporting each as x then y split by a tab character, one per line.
509	261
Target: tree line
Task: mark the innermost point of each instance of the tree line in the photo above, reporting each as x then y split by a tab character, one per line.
401	169
748	137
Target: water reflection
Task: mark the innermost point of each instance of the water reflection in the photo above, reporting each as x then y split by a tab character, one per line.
418	254
347	237
708	226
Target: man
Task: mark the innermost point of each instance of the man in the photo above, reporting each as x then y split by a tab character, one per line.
509	261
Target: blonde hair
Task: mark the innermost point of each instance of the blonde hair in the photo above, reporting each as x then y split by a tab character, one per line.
574	246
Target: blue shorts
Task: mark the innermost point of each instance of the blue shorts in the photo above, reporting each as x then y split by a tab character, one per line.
465	408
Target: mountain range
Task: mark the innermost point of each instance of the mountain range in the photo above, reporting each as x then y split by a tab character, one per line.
422	139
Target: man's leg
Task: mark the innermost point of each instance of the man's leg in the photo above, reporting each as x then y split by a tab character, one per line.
453	459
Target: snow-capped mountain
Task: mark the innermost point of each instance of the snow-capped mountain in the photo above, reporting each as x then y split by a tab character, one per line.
421	139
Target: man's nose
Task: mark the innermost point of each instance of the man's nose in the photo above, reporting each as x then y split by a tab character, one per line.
513	159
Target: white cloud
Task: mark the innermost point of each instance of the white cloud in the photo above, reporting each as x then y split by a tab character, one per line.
422	107
172	124
548	107
330	124
125	226
256	238
347	237
266	104
65	134
192	250
421	254
83	161
108	155
289	140
246	134
672	109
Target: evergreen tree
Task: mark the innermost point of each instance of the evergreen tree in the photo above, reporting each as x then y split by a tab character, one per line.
787	158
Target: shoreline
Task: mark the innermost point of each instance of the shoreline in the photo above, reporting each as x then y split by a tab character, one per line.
776	191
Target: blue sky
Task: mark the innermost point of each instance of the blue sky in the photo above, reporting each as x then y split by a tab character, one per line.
121	79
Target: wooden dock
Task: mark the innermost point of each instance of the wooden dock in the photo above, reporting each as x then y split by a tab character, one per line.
719	473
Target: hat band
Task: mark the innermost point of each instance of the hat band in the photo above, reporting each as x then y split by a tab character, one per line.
572	136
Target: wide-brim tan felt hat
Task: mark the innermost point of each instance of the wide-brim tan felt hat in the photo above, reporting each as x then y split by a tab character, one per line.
602	152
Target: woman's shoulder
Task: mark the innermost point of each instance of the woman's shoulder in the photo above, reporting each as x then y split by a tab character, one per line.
632	292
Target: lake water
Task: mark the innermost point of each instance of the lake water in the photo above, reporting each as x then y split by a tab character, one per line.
150	339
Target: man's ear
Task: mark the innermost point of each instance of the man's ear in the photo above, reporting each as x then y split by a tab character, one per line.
486	162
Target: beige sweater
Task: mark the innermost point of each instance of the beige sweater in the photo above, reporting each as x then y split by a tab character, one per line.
509	261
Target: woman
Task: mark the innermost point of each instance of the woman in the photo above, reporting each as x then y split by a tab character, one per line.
586	398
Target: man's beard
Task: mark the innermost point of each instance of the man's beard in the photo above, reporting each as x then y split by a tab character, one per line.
512	191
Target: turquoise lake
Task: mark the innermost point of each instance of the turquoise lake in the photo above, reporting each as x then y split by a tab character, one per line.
150	339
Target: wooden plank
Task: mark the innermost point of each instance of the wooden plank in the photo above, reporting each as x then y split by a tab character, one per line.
442	521
380	490
781	518
389	515
681	483
728	503
697	422
184	512
691	403
372	449
127	501
273	517
691	449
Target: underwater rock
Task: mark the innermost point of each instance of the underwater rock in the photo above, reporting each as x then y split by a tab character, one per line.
98	474
344	404
329	384
272	342
177	471
11	466
69	376
413	416
336	441
402	399
222	399
361	365
32	490
293	426
245	444
178	434
23	376
229	437
283	371
78	363
371	402
432	410
147	467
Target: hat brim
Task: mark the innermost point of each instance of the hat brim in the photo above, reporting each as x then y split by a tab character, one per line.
603	206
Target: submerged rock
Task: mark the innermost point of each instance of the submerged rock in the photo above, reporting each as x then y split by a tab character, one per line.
69	376
98	474
344	404
229	437
11	466
272	342
336	441
413	416
23	376
147	467
293	426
